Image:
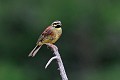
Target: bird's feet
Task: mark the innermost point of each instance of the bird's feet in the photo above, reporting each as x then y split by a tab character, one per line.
53	47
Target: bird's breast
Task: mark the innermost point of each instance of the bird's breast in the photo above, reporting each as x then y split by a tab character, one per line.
57	33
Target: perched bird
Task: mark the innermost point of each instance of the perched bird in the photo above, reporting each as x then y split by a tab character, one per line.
50	35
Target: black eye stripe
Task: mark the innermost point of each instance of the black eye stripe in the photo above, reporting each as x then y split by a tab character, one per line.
55	23
58	26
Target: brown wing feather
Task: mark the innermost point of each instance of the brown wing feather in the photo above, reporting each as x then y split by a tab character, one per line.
46	32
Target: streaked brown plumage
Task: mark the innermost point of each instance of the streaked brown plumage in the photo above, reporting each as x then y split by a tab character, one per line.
50	35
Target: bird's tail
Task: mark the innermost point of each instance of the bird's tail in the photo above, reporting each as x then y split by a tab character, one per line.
35	50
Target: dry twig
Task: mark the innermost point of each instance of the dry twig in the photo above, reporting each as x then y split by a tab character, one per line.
59	61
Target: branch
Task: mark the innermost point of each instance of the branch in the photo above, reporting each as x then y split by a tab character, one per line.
55	57
59	61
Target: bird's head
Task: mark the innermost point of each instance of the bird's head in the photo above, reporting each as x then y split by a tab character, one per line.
56	24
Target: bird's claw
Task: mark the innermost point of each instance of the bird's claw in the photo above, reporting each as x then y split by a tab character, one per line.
52	46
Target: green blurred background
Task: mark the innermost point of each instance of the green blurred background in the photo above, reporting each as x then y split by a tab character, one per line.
89	46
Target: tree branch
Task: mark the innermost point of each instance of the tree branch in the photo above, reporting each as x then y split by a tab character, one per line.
55	57
59	61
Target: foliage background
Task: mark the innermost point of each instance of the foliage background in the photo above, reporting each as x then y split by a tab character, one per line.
89	46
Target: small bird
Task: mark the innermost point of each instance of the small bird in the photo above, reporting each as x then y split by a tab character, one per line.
50	35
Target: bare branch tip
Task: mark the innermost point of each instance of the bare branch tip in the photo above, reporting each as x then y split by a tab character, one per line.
48	63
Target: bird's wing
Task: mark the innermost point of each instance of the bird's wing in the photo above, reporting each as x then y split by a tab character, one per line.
47	31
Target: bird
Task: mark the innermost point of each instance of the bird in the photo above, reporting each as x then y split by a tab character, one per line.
50	35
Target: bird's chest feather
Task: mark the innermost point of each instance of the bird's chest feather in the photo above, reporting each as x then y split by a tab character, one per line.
56	34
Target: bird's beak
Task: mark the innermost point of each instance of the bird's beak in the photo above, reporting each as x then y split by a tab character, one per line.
60	24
